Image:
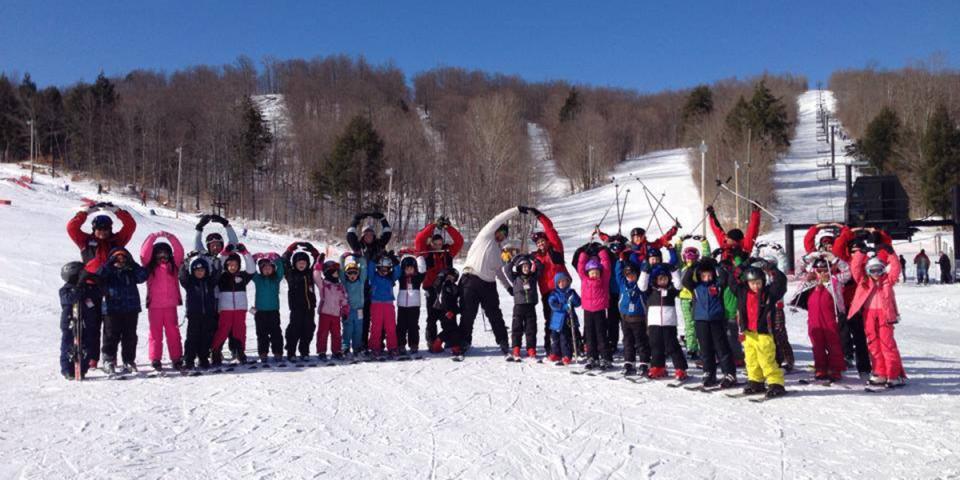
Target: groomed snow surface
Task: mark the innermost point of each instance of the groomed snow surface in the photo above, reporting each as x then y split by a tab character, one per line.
482	418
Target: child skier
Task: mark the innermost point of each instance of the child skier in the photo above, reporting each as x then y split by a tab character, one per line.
162	261
439	257
595	270
233	302
266	310
76	292
383	317
408	304
354	278
707	282
119	277
875	277
522	274
821	295
661	284
689	256
448	301
202	310
563	302
756	310
301	297
633	317
332	305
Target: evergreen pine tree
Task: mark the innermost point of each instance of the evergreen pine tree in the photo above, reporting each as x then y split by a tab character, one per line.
571	107
355	166
879	143
941	161
699	103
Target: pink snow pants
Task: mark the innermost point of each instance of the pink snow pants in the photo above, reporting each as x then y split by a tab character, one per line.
163	320
329	325
884	354
232	323
383	317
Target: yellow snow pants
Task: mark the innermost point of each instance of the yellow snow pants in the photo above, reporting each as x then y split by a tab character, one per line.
760	352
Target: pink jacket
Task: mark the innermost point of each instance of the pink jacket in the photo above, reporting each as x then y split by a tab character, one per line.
875	295
331	297
163	288
595	294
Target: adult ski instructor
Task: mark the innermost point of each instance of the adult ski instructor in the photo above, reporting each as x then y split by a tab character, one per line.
478	282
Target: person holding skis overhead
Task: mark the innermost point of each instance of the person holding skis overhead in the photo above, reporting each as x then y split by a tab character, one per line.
875	275
94	250
639	246
549	254
438	257
478	282
163	261
733	243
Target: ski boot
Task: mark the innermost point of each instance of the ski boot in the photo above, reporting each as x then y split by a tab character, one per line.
680	374
156	365
754	388
322	357
241	358
657	372
532	353
643	370
709	382
304	358
217	358
436	346
566	361
897	382
877	381
130	367
629	370
264	358
190	365
338	356
109	368
505	349
821	376
591	365
178	365
728	381
606	364
776	391
514	355
204	363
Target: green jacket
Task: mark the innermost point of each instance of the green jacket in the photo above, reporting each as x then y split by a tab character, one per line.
268	289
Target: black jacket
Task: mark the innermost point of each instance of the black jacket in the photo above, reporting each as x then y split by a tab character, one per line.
201	293
771	294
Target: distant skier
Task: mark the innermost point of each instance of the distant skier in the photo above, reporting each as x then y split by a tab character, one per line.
903	268
162	261
439	257
922	261
944	263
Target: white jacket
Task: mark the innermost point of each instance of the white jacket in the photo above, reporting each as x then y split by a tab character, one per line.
483	259
410	297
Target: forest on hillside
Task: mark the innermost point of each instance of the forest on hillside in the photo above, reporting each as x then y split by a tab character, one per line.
455	141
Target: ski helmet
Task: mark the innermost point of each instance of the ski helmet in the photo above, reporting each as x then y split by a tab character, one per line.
821	264
437	236
523	260
213	237
70	272
826	241
654	252
162	247
329	267
452	272
753	273
659	271
593	264
408	261
198	264
691	254
637	231
102	222
263	260
537	236
629	269
368	228
300	256
351	267
735	234
876	267
384	263
857	244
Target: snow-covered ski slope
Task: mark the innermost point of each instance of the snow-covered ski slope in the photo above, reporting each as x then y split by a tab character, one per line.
801	196
482	418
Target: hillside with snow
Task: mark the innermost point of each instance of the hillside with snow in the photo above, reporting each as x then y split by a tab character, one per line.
482	418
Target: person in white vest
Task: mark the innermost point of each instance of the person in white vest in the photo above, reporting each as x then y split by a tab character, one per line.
478	281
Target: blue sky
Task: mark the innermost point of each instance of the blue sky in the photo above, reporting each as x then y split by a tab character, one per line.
647	46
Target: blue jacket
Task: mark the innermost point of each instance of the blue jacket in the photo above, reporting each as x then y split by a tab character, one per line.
381	287
201	294
120	286
708	303
562	302
631	298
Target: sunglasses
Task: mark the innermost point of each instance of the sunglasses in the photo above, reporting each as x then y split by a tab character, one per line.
353	273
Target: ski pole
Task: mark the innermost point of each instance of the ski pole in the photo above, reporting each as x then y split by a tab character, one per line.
597	226
704	217
616	187
623	212
654	214
761	207
659	202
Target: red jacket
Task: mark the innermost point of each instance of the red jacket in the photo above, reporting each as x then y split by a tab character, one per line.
551	258
94	252
640	249
753	230
846	235
437	261
875	294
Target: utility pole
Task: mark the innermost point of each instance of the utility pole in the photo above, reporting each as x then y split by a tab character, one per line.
736	187
32	160
389	173
589	167
703	182
179	171
833	156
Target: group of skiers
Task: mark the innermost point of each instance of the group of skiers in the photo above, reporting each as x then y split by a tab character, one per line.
922	263
730	300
